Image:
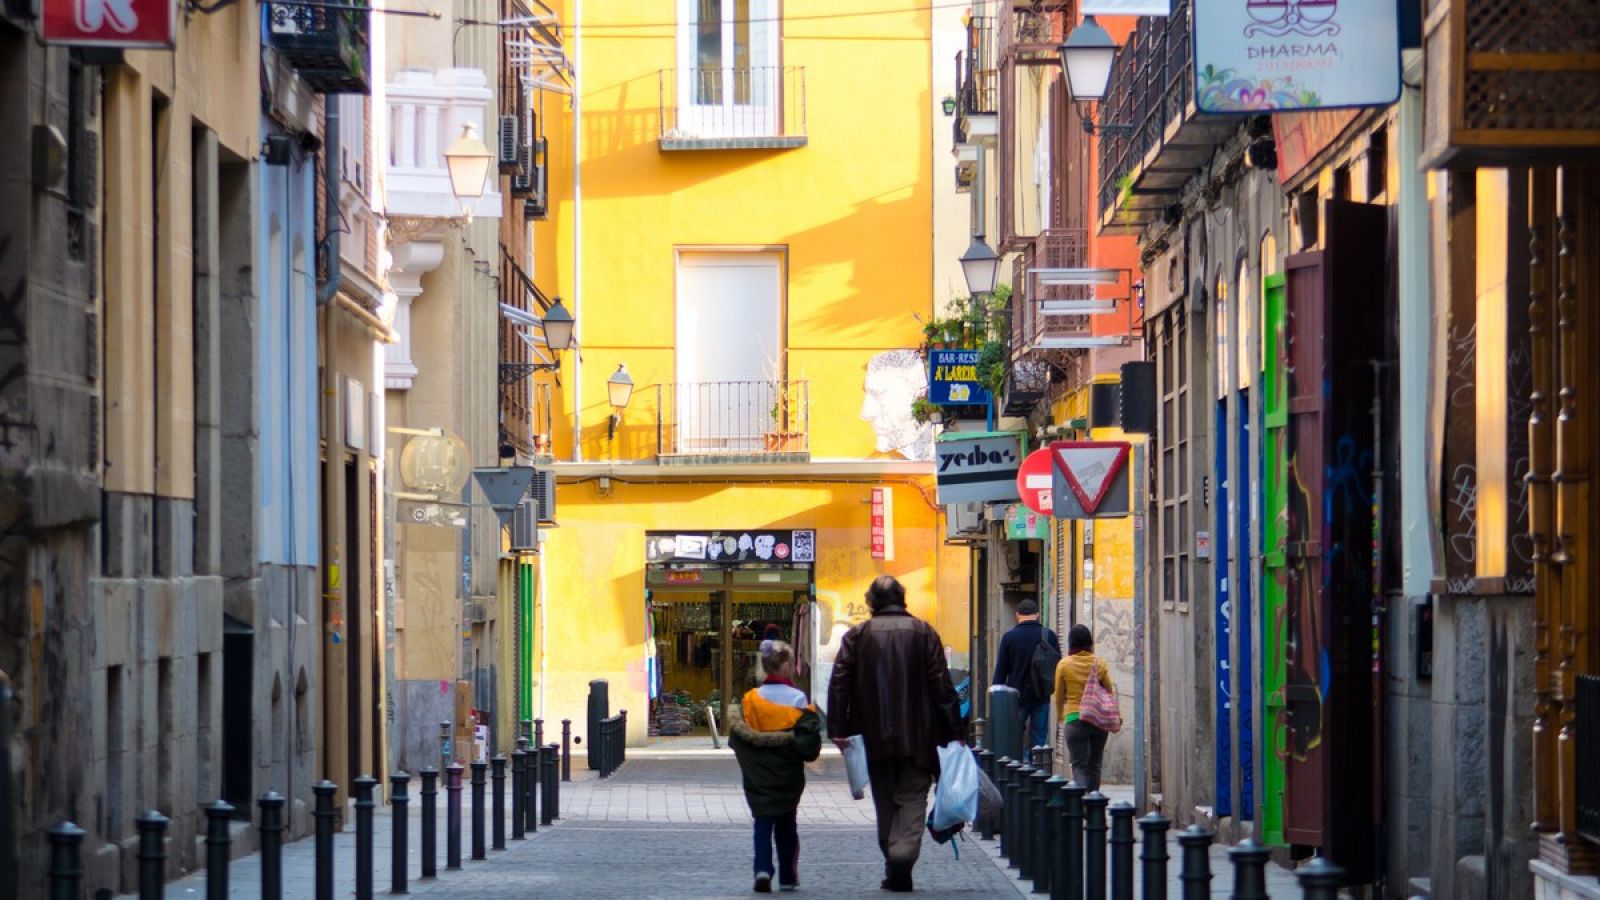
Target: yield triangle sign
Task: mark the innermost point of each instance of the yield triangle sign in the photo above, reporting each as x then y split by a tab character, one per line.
1090	468
505	488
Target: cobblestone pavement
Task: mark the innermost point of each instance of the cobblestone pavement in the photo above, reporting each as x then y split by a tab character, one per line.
671	827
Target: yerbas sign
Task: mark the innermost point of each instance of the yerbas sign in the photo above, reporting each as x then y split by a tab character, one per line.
978	469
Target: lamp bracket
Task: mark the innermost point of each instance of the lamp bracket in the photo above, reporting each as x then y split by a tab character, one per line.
511	373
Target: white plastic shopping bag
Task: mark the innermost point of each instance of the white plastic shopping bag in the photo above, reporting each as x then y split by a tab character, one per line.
956	799
855	766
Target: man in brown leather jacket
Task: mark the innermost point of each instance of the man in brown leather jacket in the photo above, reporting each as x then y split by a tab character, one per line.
891	686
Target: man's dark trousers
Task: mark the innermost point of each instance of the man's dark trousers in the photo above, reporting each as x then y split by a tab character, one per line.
900	795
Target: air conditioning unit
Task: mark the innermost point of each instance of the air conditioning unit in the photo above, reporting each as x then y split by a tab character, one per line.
510	140
1018	564
538	198
964	521
543	494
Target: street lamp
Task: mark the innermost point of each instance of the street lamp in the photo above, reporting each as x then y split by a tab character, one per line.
1086	60
619	387
980	264
558	325
468	161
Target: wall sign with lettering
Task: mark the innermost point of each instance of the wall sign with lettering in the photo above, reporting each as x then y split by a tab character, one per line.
731	547
1253	56
978	469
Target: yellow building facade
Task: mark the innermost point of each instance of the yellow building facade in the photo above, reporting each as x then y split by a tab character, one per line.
748	230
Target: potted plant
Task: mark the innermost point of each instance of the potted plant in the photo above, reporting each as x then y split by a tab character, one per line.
779	438
923	410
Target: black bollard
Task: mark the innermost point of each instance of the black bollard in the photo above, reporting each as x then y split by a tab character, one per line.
271	805
1042	759
519	771
480	784
622	737
1094	845
219	838
430	821
566	749
1320	879
363	788
323	817
152	854
497	779
1049	868
1058	836
66	869
1122	851
1039	849
1194	868
538	732
1002	782
530	784
1153	855
452	816
1072	824
1022	859
987	824
1249	870
1011	833
552	780
400	814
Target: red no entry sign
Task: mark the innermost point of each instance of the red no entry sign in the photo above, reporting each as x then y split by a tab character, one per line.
1033	481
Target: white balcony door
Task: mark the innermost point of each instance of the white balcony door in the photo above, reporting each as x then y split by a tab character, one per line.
729	80
729	349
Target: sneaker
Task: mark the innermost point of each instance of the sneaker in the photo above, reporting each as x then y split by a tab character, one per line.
790	887
763	882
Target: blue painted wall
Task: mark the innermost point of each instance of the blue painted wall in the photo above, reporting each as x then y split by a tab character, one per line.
287	354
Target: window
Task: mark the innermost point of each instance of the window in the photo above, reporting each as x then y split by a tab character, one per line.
728	57
730	361
1170	332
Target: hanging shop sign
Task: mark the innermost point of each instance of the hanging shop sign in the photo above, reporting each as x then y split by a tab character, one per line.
731	547
1125	7
109	23
1091	479
978	468
953	379
882	523
1255	56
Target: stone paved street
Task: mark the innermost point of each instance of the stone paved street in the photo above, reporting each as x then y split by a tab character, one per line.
677	826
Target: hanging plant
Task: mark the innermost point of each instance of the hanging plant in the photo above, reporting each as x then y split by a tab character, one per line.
992	366
922	410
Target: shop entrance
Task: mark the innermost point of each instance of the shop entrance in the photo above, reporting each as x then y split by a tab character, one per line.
705	626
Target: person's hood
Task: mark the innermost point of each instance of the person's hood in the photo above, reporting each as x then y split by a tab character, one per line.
762	723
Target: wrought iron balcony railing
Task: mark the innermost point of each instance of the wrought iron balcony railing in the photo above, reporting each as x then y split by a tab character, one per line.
1031	327
1143	167
328	46
751	107
723	421
977	75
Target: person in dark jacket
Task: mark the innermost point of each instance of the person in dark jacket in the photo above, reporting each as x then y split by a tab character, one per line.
774	731
891	687
1013	667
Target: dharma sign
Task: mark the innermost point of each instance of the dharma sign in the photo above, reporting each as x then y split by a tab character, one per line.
1255	56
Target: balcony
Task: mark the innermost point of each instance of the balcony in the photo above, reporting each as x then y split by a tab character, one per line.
977	84
328	47
1143	168
1506	77
427	111
733	421
1046	316
749	108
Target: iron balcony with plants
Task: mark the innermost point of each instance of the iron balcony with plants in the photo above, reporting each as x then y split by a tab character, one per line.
327	44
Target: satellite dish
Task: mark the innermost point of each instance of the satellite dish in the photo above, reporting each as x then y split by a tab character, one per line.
435	465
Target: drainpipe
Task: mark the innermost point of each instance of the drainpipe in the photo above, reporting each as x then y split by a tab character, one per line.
335	609
577	230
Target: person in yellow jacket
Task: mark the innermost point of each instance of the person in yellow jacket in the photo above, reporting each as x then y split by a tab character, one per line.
1086	744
